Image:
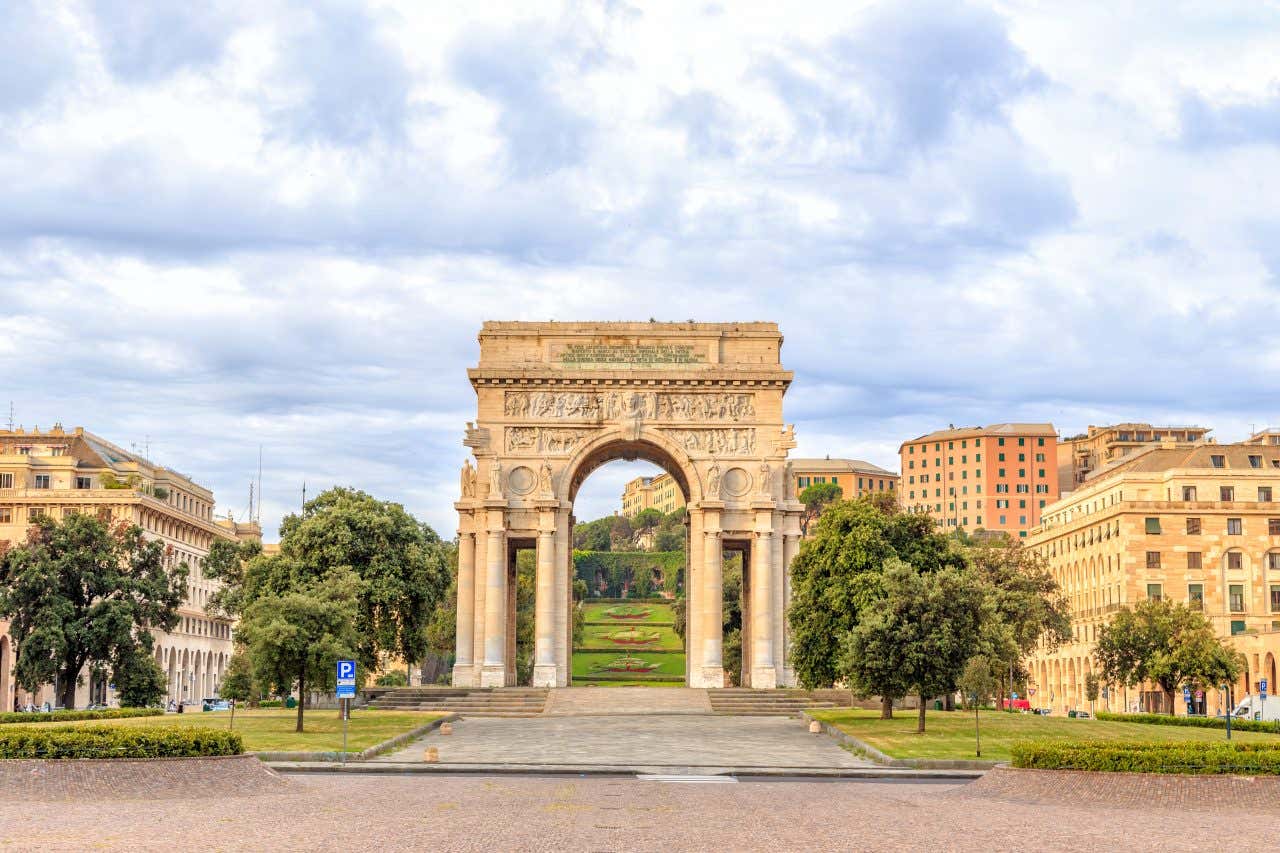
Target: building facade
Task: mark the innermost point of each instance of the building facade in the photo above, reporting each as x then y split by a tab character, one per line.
1081	455
996	478
854	477
1194	523
661	493
55	473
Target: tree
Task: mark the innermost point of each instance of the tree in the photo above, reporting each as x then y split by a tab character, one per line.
592	535
816	498
669	540
976	681
226	563
79	595
838	570
1091	685
401	565
620	533
918	636
139	680
295	635
238	685
1167	644
646	519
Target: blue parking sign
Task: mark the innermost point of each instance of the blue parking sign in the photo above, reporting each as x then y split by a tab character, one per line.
346	679
1262	686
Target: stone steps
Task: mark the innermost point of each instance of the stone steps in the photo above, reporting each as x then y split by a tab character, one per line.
746	702
504	702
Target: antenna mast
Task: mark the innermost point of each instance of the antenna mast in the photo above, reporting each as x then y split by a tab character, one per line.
250	500
258	517
10	416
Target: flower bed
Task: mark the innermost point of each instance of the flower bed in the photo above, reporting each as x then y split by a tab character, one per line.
1142	757
72	716
117	742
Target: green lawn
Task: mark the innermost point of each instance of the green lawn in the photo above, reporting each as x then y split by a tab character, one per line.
949	734
679	683
635	638
599	664
656	613
271	730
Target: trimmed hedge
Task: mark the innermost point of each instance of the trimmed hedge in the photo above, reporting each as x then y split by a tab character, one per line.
117	742
1142	757
71	716
1193	722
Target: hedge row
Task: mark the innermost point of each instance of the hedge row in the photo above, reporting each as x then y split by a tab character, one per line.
71	716
1193	722
1141	757
118	742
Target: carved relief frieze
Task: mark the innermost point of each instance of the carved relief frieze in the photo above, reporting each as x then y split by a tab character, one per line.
603	406
731	441
545	440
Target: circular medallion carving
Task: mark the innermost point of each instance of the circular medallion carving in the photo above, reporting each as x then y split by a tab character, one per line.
737	482
522	480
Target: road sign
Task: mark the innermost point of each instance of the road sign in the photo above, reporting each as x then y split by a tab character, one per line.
346	679
1015	695
1199	695
1031	691
1262	687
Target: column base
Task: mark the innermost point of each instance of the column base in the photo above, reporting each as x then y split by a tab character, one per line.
764	678
707	676
789	677
546	675
464	675
493	675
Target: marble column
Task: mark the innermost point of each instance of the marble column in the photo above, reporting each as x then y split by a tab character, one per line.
763	675
790	546
544	648
494	673
481	584
711	672
693	599
464	664
777	572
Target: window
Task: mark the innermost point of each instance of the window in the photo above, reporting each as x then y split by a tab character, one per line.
1235	560
1040	474
999	472
1226	493
6	515
1236	596
1002	488
1273	526
1188	493
1218	461
1022	519
1264	494
6	481
83	482
42	481
1002	504
1155	591
804	482
1195	560
1042	489
1022	457
1193	526
1022	442
1235	527
1153	559
1255	461
977	457
1195	596
1040	442
1273	561
1153	525
1237	627
1275	598
1023	489
1039	457
1022	472
1022	504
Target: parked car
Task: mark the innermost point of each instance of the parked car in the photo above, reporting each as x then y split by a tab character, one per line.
215	704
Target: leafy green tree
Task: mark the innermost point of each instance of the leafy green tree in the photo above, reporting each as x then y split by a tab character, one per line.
620	533
669	540
401	564
816	498
395	678
592	535
238	684
1091	685
79	595
296	628
838	572
1165	643
139	680
646	520
922	630
226	563
976	681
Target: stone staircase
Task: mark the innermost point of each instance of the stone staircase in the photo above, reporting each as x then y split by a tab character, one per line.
743	701
494	702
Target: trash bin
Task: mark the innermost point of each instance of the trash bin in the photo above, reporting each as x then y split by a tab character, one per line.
937	704
1071	714
293	703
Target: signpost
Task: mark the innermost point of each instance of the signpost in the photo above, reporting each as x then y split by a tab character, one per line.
1186	698
346	692
1262	691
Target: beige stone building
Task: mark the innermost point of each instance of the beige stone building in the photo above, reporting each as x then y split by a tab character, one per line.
661	493
1194	523
1081	455
56	472
1269	437
554	402
996	478
854	477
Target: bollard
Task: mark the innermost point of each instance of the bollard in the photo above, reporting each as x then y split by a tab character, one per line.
815	727
446	728
431	756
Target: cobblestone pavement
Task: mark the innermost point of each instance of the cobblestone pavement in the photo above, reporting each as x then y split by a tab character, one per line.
627	700
685	741
462	813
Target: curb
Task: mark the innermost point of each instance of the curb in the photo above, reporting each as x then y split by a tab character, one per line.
275	758
887	761
404	768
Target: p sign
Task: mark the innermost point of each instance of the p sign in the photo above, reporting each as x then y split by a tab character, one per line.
1262	687
346	679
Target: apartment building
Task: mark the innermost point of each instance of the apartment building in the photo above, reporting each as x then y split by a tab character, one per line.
1199	524
1269	437
660	493
854	476
996	478
1081	455
54	473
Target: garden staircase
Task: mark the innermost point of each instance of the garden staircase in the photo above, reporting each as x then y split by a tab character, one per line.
494	702
743	701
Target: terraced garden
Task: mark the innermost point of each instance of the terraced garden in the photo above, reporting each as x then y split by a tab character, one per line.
629	642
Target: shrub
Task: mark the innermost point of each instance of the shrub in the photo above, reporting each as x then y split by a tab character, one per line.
271	703
395	678
117	742
71	716
1143	757
1193	722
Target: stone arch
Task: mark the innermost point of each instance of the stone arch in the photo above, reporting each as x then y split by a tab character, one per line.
614	444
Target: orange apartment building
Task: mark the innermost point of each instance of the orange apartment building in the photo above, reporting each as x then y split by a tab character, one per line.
854	476
996	478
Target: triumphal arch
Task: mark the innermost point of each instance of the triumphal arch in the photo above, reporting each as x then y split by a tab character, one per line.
555	401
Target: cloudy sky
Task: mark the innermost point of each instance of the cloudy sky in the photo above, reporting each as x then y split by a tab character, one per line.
282	223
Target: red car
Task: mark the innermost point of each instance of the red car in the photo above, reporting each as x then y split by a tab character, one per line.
1017	704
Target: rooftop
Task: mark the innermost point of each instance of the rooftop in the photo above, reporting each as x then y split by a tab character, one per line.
838	466
981	431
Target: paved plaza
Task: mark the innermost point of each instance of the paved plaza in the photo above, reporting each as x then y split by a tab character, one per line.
705	741
461	813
